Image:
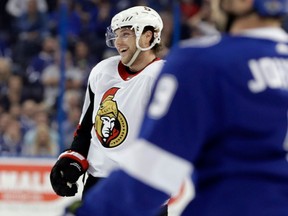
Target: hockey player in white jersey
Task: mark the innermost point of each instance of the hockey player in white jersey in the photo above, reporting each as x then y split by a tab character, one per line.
220	108
117	94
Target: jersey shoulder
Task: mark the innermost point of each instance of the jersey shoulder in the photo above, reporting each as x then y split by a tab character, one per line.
210	51
154	68
105	65
195	59
192	52
201	42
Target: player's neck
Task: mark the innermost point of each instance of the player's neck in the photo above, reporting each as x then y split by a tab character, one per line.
251	22
142	61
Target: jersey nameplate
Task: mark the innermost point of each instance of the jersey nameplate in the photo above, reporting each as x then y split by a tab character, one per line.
268	73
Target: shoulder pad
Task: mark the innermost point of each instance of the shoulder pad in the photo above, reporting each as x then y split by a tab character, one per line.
205	41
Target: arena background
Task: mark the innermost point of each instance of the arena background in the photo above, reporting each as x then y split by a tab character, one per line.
26	110
47	49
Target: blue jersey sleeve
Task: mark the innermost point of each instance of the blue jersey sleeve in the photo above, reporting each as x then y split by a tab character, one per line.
180	124
122	195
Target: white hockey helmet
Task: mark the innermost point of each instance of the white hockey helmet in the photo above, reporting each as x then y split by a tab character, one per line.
137	18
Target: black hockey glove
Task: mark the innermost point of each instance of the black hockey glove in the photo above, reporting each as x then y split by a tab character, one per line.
66	171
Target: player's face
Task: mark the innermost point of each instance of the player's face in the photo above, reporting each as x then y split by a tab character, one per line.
125	44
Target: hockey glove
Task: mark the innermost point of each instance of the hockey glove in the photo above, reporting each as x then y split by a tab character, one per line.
65	173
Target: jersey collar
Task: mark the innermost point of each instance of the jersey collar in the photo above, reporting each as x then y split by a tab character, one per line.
270	33
126	74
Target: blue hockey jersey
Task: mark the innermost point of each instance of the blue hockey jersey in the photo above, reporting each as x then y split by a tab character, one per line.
218	114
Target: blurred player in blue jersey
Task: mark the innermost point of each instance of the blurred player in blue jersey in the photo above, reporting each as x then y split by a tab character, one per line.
217	116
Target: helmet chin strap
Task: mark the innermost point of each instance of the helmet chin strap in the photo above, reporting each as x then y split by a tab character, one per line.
137	52
139	49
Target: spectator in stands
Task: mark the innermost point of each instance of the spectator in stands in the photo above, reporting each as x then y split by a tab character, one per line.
167	33
14	92
84	60
16	8
29	108
31	28
73	21
202	23
11	139
33	86
72	98
15	111
188	8
72	103
69	125
5	118
5	72
51	78
41	141
100	18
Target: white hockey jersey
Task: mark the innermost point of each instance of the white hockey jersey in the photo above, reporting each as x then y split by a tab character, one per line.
114	103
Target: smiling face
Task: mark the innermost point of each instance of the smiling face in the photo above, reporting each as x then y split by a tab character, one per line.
125	43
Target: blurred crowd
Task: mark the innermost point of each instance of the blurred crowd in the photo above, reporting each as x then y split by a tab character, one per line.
30	63
30	66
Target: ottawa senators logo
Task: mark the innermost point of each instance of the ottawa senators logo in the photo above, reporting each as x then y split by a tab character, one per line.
110	124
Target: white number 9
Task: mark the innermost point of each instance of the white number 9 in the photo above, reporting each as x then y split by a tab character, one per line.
163	96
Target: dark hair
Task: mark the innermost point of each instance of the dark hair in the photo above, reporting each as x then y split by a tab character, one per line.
157	47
